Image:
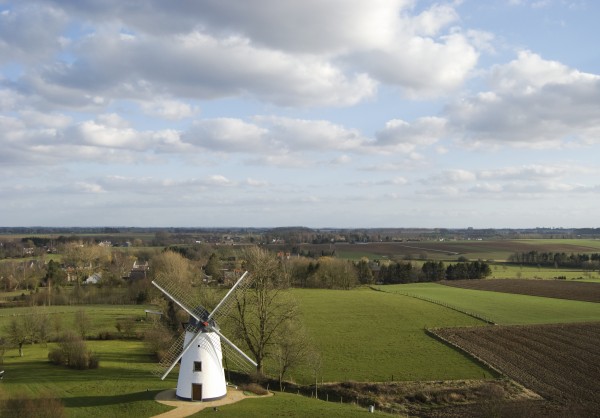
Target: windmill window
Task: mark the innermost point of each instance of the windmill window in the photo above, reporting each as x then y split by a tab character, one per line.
197	366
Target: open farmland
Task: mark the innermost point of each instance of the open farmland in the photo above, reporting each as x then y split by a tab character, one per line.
375	336
513	271
559	289
498	250
559	362
503	308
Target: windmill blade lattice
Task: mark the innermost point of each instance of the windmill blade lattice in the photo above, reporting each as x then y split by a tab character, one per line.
186	300
222	311
172	354
240	363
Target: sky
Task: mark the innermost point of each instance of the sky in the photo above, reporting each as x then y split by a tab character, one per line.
316	113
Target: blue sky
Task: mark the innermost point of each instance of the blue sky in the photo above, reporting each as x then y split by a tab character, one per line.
320	113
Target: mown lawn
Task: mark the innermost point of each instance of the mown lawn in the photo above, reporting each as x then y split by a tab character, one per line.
291	406
122	386
504	308
365	335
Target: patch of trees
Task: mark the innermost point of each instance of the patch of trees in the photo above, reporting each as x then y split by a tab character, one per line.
432	271
552	259
399	272
470	271
325	273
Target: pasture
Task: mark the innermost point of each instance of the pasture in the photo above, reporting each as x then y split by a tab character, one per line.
511	271
504	308
365	335
101	318
122	386
497	250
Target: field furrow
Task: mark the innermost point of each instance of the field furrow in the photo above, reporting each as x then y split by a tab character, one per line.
540	357
560	289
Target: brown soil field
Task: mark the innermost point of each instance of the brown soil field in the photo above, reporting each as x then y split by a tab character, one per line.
560	289
560	362
492	249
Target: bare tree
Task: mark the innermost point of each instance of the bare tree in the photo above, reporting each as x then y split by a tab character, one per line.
16	334
263	311
291	349
22	330
315	360
82	322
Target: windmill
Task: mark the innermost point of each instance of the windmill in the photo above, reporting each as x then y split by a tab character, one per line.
201	373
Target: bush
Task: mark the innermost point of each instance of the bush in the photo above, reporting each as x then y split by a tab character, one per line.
158	340
254	388
46	406
72	352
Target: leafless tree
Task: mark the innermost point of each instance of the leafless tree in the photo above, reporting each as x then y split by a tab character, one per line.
292	349
263	311
27	328
82	322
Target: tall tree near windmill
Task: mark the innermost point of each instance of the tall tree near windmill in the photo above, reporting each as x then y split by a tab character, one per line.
263	311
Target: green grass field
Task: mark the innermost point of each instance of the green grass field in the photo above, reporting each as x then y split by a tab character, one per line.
365	335
291	406
509	271
122	386
102	318
505	308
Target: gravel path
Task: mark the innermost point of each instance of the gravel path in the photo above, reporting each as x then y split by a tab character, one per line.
187	408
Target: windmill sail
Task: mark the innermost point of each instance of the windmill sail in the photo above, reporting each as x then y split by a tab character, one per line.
173	354
185	300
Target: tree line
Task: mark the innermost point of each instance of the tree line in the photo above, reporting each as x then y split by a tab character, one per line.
432	271
556	259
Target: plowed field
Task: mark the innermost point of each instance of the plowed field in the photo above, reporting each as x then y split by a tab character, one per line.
560	289
559	362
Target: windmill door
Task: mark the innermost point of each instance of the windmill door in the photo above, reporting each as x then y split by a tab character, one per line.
196	391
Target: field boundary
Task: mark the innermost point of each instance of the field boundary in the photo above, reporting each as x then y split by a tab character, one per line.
431	332
440	303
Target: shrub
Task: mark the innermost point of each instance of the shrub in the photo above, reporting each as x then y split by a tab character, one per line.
72	352
254	388
158	339
19	406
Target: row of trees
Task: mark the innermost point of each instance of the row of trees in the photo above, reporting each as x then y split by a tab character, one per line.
431	271
562	259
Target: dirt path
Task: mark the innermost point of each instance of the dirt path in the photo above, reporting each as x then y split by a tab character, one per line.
187	408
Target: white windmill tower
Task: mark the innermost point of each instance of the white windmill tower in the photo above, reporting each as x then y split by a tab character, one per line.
201	373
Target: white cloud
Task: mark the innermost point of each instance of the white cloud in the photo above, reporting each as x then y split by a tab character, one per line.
30	32
405	137
227	135
313	135
168	109
195	65
331	53
534	103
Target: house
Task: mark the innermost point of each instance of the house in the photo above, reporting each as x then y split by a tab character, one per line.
139	270
93	279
